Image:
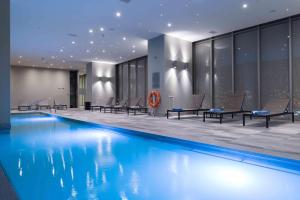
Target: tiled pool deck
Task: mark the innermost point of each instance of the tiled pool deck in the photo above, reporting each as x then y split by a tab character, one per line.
281	139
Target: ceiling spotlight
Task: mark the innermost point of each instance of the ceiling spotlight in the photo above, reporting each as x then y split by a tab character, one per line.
133	51
124	38
71	56
91	31
121	57
169	25
73	42
245	5
118	14
61	50
91	42
101	29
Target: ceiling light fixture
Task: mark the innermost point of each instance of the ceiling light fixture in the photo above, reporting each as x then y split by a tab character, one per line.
245	5
101	29
118	14
169	25
92	42
124	38
71	56
73	42
91	31
61	50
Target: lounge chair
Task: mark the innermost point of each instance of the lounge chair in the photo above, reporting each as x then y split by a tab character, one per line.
272	109
43	105
198	108
136	106
24	107
118	107
233	105
58	106
108	103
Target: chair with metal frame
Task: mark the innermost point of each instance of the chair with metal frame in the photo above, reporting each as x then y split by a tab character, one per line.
232	106
196	109
274	108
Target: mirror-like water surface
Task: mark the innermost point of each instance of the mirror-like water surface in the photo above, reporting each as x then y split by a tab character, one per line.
51	158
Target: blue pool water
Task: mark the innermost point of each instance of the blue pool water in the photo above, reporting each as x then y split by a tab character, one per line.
46	157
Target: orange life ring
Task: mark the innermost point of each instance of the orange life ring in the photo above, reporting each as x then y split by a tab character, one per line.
154	99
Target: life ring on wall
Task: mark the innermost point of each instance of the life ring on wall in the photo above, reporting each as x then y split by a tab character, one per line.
154	99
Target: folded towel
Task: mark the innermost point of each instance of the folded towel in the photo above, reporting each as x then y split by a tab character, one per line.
260	112
216	110
177	109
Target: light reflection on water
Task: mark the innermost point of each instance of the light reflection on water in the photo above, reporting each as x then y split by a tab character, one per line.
55	159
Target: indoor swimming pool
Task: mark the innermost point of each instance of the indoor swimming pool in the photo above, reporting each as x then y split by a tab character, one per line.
49	157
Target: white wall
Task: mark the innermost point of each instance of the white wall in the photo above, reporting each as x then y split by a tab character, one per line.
30	85
100	82
162	51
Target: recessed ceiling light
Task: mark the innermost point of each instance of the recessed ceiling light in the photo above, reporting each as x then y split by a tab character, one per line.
287	9
21	57
121	57
133	51
101	29
245	5
73	42
133	46
124	38
88	51
61	50
71	56
103	51
91	42
118	14
169	25
91	31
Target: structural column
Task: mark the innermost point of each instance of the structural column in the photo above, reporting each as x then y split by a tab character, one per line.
170	71
4	64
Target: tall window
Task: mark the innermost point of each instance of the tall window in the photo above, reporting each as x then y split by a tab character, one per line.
142	79
296	63
246	71
131	80
222	70
125	81
274	62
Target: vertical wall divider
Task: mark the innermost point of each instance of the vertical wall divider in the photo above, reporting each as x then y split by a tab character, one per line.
232	63
136	77
291	64
258	67
212	72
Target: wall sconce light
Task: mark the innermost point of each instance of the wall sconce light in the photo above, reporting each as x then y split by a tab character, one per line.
186	66
104	79
174	64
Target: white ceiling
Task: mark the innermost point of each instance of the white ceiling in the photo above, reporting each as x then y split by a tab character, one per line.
42	31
